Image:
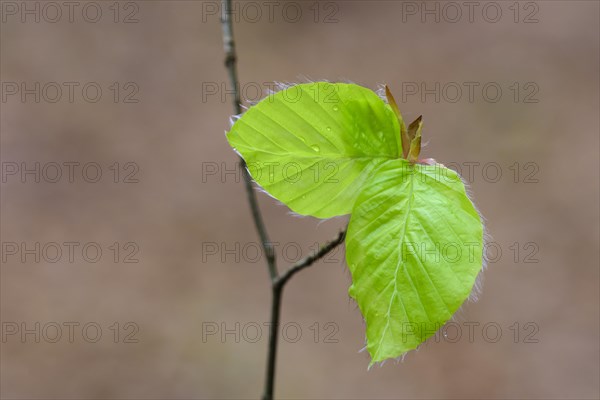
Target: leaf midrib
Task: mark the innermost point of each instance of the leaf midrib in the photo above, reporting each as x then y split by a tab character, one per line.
400	241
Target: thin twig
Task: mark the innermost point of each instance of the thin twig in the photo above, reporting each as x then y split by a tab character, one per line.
277	290
269	388
277	282
310	260
231	65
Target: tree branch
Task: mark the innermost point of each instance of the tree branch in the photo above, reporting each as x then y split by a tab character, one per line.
277	282
231	65
310	260
277	289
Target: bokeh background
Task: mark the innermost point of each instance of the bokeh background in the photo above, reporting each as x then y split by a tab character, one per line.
180	202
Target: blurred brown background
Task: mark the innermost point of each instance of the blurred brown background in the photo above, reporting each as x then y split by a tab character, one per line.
542	291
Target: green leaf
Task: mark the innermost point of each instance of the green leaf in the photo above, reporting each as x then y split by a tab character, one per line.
414	243
414	247
312	146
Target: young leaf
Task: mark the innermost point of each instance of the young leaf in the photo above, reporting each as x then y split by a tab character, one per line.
414	133
414	248
414	128
312	146
404	135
